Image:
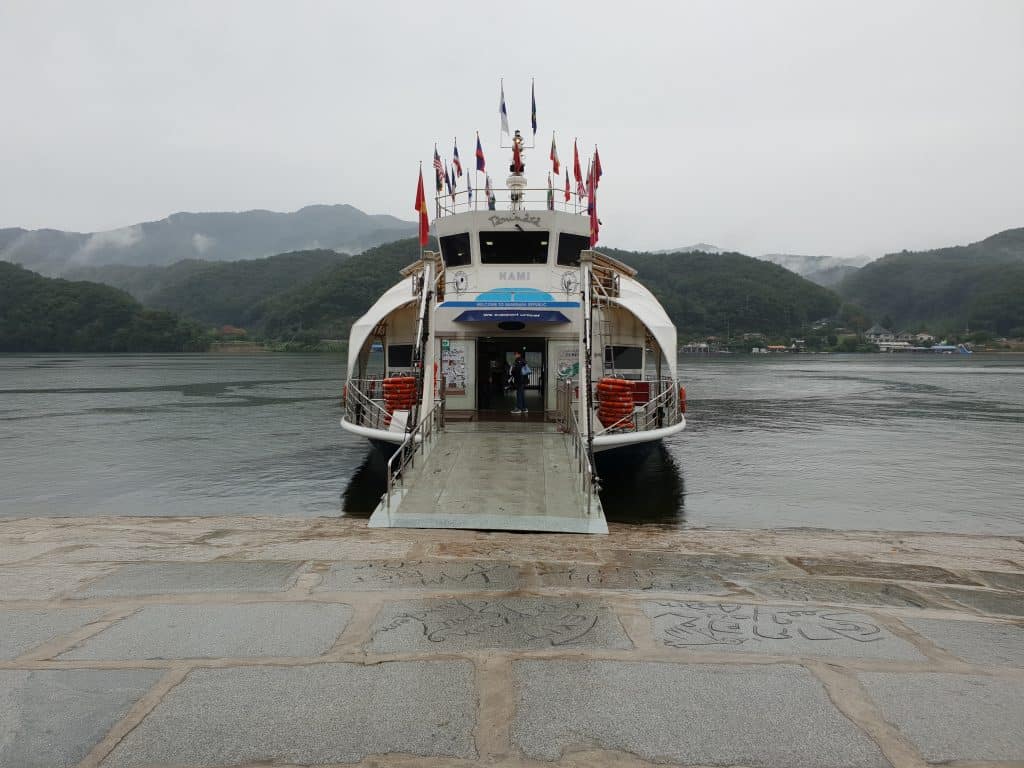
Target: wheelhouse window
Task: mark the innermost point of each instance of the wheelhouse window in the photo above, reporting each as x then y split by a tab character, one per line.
455	250
624	358
513	247
399	356
569	247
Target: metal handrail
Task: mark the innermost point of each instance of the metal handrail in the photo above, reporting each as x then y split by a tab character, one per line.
569	424
364	403
532	198
419	440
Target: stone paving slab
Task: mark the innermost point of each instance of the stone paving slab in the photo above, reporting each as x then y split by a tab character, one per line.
325	713
839	592
692	714
876	570
45	581
774	630
520	623
721	565
328	549
137	579
1003	580
52	718
616	577
953	717
562	549
1001	603
976	642
21	631
216	631
476	576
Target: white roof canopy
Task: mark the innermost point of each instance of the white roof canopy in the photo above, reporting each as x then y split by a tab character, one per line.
635	298
396	297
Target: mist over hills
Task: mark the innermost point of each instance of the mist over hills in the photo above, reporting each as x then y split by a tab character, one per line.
205	236
823	270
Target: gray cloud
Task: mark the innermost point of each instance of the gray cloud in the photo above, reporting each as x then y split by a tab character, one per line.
842	128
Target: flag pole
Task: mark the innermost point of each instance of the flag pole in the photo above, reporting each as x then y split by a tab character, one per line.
421	242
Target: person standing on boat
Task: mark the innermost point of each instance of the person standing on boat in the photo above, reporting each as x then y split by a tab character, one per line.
519	373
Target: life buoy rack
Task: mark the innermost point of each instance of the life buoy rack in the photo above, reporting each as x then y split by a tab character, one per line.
615	402
399	395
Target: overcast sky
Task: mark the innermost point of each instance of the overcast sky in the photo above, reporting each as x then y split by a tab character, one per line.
840	128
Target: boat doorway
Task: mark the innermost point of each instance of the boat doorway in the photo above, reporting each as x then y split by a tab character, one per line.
495	400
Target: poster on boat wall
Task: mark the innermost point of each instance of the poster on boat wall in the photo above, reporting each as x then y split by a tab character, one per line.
453	366
567	362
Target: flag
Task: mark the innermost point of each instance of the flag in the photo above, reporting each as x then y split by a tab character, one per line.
533	109
448	181
568	193
503	111
469	190
489	192
555	165
438	169
551	195
455	158
597	168
590	184
479	154
595	223
576	171
421	209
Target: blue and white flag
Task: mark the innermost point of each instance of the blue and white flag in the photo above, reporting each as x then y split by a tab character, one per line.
503	111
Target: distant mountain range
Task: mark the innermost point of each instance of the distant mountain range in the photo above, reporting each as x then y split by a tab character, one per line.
980	286
206	236
823	270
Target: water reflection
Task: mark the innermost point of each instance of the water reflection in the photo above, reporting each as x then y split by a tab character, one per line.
652	490
366	486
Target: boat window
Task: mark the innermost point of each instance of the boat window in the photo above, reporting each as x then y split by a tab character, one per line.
399	356
455	249
624	358
569	247
513	247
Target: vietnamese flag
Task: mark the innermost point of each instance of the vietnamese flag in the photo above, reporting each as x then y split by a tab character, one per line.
421	209
595	223
555	165
597	168
568	194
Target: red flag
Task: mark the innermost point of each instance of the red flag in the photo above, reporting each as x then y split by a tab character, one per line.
555	165
421	209
597	168
595	223
568	193
576	172
517	158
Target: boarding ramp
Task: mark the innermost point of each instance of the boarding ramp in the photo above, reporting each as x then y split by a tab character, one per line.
510	476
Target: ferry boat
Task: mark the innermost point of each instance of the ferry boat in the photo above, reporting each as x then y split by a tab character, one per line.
516	271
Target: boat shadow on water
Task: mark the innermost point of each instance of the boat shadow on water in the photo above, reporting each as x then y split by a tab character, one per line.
650	489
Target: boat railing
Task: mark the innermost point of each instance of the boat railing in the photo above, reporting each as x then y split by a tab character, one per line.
568	420
364	403
529	199
417	442
658	408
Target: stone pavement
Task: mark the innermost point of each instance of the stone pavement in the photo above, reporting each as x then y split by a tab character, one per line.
232	642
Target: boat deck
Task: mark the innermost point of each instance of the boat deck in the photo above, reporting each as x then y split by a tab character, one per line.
511	476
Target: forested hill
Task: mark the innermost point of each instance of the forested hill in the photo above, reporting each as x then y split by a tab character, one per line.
217	293
980	286
708	293
703	293
207	236
40	314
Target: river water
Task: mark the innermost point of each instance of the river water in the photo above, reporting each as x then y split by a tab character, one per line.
838	442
